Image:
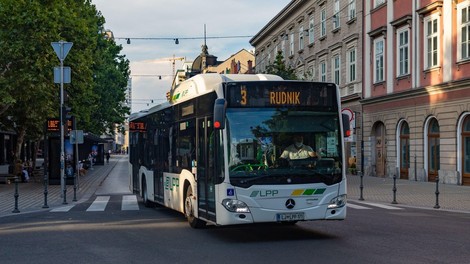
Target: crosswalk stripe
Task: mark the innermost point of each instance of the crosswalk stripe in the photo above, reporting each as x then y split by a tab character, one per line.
99	204
355	206
382	206
129	202
63	208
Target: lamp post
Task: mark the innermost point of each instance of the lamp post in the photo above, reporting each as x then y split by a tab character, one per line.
62	48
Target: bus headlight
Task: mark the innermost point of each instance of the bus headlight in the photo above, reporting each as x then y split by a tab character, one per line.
337	202
235	206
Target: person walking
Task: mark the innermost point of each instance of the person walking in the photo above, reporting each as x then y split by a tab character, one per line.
107	157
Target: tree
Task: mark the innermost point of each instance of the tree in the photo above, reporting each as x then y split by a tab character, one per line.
279	68
28	95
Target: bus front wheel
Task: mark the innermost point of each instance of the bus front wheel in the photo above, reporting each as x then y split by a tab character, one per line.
189	210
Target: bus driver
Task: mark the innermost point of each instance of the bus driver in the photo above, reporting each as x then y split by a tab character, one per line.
298	150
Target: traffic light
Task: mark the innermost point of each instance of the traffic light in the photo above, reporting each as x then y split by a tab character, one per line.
66	113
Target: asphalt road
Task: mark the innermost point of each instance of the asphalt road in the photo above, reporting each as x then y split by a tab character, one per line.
159	235
371	234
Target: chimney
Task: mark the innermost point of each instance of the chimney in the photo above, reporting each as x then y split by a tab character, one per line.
250	67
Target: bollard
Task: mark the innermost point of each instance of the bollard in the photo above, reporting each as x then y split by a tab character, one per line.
16	196
65	190
437	193
394	189
75	187
361	186
45	192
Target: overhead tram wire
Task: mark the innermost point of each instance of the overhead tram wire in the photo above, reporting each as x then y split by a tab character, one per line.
177	39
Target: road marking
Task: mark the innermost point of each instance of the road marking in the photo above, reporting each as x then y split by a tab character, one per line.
382	206
99	204
129	202
355	206
63	208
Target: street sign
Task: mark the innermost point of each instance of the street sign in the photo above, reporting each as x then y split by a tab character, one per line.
62	48
67	75
76	137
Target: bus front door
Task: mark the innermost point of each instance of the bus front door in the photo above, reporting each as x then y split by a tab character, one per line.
205	169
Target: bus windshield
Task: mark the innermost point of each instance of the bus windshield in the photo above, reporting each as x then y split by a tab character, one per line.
259	139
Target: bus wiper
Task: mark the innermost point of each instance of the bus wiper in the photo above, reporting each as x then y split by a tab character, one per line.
258	177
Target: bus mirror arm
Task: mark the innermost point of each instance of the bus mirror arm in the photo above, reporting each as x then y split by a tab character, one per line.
219	113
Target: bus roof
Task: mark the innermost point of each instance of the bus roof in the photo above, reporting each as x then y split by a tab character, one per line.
202	84
210	82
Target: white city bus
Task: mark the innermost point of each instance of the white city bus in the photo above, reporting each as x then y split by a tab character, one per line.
213	151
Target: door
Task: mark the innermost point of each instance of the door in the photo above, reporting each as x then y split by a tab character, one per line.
433	150
466	152
205	169
380	150
404	150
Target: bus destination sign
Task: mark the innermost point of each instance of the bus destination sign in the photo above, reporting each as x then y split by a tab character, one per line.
272	94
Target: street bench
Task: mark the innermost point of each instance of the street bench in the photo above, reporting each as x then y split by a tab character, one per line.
7	178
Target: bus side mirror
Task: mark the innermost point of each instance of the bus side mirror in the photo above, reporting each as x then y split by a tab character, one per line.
346	127
219	113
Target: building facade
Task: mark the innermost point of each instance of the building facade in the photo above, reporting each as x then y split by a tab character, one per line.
322	41
416	95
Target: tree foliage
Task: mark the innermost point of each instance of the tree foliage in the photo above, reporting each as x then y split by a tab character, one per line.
278	67
28	95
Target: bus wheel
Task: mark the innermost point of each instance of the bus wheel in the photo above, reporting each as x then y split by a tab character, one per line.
189	210
145	197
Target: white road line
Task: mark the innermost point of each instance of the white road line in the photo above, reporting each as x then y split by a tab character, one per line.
129	202
355	206
65	208
99	204
382	206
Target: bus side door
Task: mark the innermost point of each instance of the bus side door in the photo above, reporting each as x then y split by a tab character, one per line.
205	168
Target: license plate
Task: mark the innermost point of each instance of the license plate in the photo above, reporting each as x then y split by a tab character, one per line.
290	216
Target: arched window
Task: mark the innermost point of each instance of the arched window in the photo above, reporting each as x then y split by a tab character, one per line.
433	150
404	150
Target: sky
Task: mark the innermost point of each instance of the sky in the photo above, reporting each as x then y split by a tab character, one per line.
148	22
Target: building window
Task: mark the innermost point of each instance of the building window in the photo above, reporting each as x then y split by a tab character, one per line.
431	41
291	44
323	71
311	71
351	55
463	49
283	46
336	63
336	15
323	22
311	36
379	60
352	9
403	46
301	38
378	2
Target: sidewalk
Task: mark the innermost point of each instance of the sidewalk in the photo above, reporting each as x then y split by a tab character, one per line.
410	193
31	194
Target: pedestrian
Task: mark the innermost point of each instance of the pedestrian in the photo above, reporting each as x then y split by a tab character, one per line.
107	157
90	159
